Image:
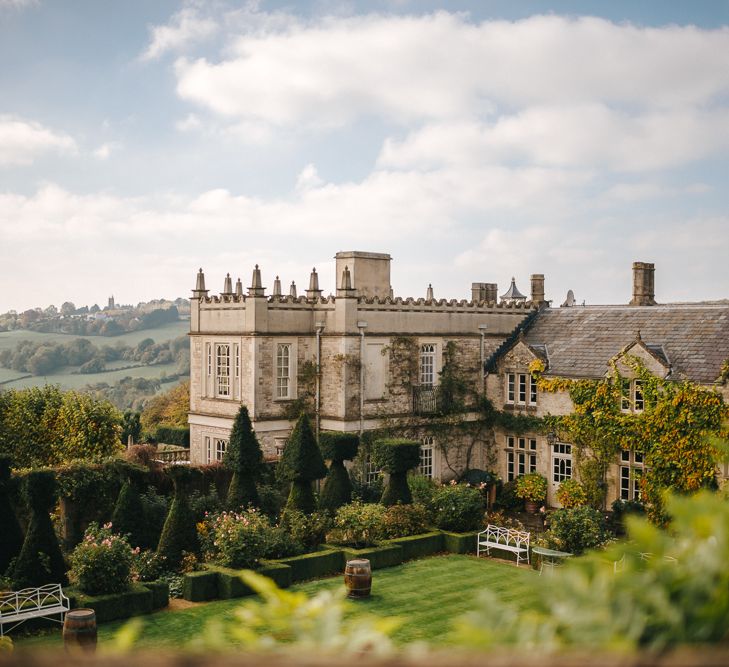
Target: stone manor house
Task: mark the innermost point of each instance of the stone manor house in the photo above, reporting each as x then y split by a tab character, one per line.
364	359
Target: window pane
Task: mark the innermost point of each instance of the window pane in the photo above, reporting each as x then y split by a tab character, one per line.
283	370
427	365
510	388
532	391
522	388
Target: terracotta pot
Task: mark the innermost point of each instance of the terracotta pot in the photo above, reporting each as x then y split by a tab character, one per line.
531	506
358	578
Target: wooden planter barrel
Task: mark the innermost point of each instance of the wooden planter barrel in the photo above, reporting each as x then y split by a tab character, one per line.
79	630
531	506
358	578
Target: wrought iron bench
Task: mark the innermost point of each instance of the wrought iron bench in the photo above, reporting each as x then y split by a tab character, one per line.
506	539
16	607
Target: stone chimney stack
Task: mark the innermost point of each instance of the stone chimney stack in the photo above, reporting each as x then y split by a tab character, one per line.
199	290
644	291
538	288
484	292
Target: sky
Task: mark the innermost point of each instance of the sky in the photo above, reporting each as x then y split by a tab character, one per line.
473	141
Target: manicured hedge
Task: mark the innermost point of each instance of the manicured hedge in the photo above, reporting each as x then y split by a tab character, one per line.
160	593
200	586
170	435
417	546
230	585
383	556
460	543
136	601
314	565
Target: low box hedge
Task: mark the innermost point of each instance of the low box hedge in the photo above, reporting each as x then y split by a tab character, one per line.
385	555
133	602
314	565
417	546
160	593
230	585
200	586
460	543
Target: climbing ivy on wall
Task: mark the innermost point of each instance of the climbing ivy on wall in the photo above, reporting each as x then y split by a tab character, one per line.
673	432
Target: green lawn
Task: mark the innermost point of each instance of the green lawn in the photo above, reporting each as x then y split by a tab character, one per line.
426	594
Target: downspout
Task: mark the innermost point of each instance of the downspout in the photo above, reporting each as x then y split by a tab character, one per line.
361	326
482	330
319	329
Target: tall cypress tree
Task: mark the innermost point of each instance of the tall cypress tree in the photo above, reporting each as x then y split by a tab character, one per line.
12	536
179	532
244	457
301	464
40	561
128	517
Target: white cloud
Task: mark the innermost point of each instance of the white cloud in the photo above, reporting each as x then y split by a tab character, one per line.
188	123
186	27
22	141
441	66
105	150
308	178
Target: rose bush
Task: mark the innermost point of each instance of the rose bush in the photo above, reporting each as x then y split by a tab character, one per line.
102	562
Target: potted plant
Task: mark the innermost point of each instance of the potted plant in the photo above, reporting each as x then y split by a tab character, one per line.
532	489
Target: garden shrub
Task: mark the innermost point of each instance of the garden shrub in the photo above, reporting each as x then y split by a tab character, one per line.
396	457
102	562
622	509
40	560
148	565
279	543
458	507
128	517
337	448
500	518
204	503
154	510
578	529
404	520
179	533
244	458
301	463
571	494
272	500
506	498
422	489
366	492
308	529
172	435
235	539
531	487
357	524
12	536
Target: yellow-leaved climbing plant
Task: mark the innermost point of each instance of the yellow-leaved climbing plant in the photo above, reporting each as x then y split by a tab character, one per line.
673	432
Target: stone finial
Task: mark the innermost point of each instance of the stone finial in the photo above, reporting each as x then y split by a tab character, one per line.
199	290
429	293
228	285
313	292
292	291
346	290
256	288
238	288
277	287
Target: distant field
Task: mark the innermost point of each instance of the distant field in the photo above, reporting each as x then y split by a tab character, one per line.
69	381
9	339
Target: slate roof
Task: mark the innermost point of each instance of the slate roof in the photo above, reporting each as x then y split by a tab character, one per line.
580	341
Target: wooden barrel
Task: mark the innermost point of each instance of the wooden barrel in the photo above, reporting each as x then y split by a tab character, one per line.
358	578
79	630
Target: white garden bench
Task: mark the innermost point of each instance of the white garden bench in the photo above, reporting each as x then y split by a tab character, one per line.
16	607
506	539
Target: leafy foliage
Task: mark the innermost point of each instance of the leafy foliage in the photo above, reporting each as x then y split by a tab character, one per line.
46	426
577	529
235	539
404	520
244	457
532	486
666	588
301	464
167	409
102	562
40	560
571	494
458	507
308	529
337	447
357	524
396	456
128	517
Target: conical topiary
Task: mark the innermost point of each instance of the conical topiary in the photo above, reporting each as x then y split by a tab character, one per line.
179	532
301	464
244	457
12	536
128	516
396	457
337	448
40	561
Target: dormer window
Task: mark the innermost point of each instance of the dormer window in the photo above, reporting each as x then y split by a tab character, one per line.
631	395
521	389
